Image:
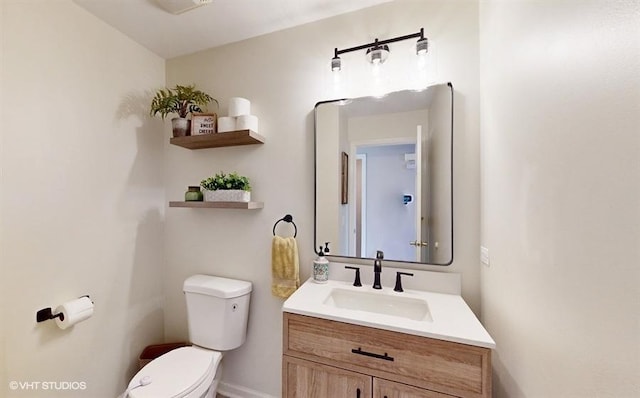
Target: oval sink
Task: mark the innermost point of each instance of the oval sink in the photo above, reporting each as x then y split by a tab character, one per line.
379	303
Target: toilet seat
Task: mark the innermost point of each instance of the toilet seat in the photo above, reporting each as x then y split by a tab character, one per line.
177	374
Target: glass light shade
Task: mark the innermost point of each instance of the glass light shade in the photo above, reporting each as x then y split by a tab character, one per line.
422	46
377	55
336	64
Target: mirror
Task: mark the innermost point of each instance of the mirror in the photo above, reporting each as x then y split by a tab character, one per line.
384	176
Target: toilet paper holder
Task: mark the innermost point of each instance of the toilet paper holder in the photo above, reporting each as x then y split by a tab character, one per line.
46	314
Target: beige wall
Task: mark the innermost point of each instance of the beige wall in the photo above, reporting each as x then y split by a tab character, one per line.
82	198
285	74
3	363
561	196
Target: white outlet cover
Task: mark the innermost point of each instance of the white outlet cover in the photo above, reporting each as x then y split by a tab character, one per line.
484	255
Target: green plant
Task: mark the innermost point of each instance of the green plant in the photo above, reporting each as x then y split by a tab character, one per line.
226	181
181	100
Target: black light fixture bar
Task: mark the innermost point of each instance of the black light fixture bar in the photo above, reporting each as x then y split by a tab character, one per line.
378	43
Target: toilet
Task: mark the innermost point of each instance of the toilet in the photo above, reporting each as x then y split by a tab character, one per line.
217	314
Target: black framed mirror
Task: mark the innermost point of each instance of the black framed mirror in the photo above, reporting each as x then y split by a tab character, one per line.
384	176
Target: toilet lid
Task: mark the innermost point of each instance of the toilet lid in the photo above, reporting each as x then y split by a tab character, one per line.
175	373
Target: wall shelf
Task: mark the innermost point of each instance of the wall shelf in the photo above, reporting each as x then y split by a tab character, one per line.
216	140
219	205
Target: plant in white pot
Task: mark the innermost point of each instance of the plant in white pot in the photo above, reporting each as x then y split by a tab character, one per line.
181	100
223	187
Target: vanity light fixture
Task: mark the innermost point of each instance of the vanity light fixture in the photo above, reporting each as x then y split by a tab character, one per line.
378	51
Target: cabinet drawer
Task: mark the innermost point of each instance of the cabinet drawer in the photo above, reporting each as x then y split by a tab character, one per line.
451	368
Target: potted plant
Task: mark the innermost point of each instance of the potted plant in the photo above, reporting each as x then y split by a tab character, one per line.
182	100
223	187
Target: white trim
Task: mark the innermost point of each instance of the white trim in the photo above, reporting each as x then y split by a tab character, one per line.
418	194
235	391
384	141
363	205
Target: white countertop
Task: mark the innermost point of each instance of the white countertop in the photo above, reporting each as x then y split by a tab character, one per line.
452	319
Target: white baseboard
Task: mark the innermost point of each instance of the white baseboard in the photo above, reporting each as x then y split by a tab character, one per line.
234	391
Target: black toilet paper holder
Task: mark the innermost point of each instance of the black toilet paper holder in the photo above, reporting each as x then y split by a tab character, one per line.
47	313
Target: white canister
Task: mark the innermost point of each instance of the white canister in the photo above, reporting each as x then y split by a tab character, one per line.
227	195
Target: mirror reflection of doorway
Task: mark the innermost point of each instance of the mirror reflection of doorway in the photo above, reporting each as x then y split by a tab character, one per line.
394	225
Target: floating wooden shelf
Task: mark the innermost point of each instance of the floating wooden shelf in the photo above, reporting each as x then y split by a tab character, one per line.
219	205
230	138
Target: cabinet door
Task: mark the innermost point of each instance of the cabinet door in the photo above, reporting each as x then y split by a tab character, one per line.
306	379
389	389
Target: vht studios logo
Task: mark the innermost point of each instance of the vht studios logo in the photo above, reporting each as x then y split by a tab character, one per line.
48	385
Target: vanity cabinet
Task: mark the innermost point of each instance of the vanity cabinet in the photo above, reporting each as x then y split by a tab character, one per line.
396	365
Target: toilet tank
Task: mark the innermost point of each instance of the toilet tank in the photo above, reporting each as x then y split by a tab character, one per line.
217	311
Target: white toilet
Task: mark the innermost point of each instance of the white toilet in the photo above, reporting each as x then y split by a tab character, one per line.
217	312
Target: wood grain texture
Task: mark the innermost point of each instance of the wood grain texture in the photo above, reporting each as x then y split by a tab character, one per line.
389	389
451	368
219	205
231	138
306	379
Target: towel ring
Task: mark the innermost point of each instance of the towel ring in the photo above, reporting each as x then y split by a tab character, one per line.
287	218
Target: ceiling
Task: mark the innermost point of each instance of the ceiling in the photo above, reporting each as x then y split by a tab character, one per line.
211	25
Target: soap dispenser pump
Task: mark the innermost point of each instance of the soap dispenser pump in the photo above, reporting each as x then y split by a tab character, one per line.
321	265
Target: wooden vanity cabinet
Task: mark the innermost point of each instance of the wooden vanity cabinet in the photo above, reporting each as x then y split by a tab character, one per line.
353	361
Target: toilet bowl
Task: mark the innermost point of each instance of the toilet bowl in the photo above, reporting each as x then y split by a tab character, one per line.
187	372
217	312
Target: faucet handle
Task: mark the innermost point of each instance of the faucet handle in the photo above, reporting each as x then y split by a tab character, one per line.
398	287
356	282
380	255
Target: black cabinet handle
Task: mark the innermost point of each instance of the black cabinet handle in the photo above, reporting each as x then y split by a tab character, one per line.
371	354
358	393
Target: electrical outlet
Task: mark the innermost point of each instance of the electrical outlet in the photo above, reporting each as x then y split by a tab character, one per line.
484	255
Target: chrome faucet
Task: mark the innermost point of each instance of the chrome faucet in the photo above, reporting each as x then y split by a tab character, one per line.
377	269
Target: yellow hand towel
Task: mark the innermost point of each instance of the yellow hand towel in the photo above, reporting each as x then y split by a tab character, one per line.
284	266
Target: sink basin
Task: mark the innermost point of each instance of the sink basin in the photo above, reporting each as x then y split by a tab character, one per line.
379	303
443	316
